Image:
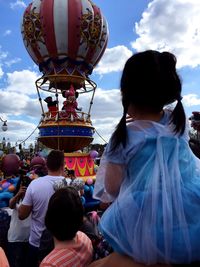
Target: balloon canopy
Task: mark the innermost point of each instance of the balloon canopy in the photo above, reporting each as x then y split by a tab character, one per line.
65	37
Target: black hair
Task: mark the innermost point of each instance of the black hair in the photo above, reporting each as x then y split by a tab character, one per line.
64	215
55	160
63	93
149	82
71	172
40	170
76	94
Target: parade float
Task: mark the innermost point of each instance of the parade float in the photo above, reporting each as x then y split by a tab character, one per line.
66	39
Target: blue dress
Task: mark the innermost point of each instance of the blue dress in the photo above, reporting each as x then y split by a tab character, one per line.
155	218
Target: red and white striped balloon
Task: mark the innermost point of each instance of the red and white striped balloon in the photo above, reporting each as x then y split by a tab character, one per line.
69	35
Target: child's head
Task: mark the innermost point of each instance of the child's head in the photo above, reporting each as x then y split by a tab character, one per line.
149	82
64	214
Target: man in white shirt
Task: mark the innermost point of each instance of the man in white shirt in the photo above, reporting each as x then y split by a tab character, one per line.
36	202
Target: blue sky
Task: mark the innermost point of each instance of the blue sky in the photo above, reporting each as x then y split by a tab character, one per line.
134	25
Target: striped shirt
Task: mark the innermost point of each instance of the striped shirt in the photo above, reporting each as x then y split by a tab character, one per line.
77	255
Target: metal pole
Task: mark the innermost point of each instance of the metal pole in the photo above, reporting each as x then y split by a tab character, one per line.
91	102
40	99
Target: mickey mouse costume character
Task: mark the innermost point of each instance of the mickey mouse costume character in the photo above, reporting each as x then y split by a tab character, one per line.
52	106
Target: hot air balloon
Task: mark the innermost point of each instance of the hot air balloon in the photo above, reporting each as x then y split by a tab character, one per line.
66	39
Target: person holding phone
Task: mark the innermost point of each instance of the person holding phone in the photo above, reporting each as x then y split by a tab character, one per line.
19	231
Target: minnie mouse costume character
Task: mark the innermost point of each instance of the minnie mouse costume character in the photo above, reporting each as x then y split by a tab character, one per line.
70	105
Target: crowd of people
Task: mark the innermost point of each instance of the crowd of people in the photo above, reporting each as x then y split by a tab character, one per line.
148	187
29	240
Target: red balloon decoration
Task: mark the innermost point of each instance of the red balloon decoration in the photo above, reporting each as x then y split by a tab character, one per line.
37	161
10	164
94	154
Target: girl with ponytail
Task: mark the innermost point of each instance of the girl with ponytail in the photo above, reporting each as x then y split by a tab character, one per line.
148	170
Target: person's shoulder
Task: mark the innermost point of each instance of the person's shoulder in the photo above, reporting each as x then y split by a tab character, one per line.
47	264
83	238
38	181
59	257
47	261
80	234
85	243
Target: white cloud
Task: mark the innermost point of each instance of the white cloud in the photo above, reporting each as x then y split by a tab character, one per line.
9	63
113	59
107	103
106	111
171	25
23	107
3	57
22	82
15	101
17	4
17	104
104	128
190	100
7	32
20	130
3	54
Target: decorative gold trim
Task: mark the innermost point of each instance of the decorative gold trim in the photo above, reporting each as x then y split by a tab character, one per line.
32	28
82	170
90	168
64	136
45	124
76	154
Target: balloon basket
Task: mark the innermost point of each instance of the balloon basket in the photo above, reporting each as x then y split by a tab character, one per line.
63	134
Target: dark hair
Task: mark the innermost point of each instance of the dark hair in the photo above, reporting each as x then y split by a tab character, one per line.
40	170
71	172
76	94
55	160
149	81
64	215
